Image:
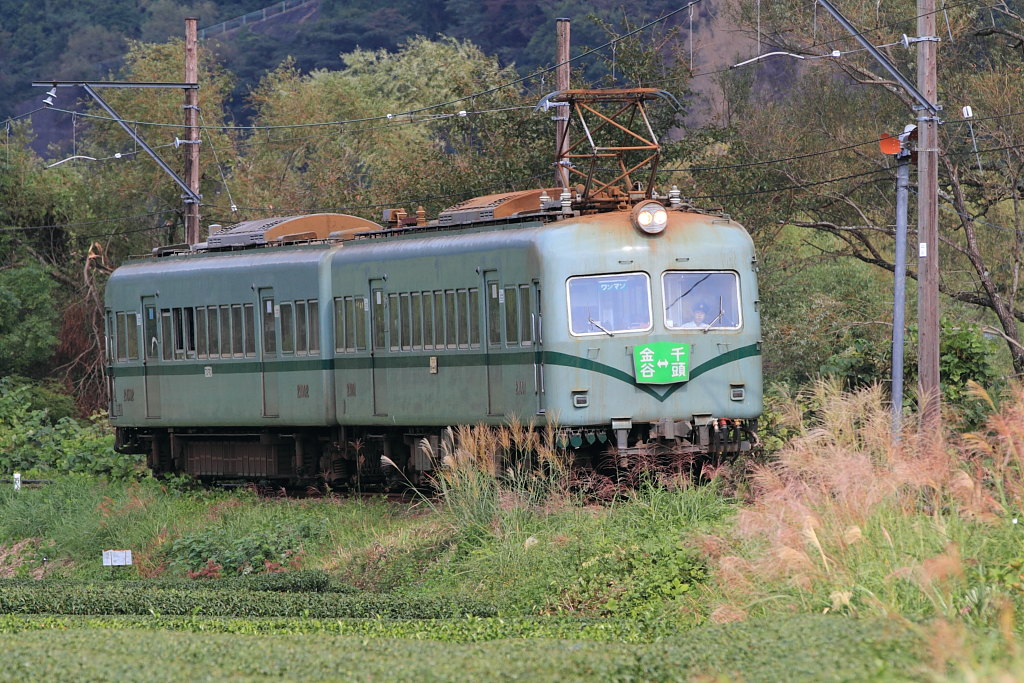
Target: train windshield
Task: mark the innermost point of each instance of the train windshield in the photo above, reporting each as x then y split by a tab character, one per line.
609	304
701	300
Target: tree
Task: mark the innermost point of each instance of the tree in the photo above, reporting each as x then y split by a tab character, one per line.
844	105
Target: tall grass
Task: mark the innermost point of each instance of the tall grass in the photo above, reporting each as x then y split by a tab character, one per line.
849	520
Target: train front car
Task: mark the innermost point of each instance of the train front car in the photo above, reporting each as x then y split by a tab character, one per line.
652	332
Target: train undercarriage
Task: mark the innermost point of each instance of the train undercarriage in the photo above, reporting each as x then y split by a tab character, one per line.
366	458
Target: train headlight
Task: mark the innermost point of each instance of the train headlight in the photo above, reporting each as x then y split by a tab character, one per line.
650	217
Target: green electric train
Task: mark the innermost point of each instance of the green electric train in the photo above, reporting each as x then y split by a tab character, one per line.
323	346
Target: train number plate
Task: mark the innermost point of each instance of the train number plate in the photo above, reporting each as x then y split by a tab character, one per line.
661	363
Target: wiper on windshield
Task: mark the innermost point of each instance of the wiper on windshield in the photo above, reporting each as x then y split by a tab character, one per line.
721	312
599	326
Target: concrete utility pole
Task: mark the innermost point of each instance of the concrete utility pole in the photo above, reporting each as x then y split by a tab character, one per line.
562	77
928	219
192	130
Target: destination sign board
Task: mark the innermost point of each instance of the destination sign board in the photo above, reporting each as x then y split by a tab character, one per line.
661	362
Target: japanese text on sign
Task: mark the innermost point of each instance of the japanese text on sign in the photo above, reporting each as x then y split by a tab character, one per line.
661	363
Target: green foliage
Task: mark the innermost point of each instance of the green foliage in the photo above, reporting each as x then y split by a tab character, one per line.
28	320
964	356
267	549
52	597
31	440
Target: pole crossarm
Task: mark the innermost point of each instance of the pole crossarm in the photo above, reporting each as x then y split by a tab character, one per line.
881	59
189	194
113	84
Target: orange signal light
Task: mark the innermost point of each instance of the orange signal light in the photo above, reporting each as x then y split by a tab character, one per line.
890	145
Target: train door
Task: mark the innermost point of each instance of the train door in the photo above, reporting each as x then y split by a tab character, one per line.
378	345
496	395
270	312
538	342
151	355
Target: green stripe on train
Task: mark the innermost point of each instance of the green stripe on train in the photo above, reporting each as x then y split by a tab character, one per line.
231	367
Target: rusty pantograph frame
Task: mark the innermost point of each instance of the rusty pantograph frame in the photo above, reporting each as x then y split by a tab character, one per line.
629	118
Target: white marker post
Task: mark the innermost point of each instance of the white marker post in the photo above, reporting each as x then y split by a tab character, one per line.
17	481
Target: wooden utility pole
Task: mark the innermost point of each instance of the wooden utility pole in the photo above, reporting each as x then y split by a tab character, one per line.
928	220
192	130
562	118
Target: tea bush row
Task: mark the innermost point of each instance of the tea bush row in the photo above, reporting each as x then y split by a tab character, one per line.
465	629
799	648
54	598
305	581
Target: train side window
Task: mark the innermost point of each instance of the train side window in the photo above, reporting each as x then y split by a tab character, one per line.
406	321
417	320
339	324
361	308
438	319
474	318
701	300
213	328
250	329
450	319
120	337
202	348
301	329
236	331
525	317
462	318
512	316
132	328
287	329
165	333
108	337
428	320
189	316
152	336
493	315
393	320
379	319
609	304
269	335
314	327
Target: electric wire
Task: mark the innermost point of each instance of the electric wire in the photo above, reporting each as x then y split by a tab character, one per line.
412	112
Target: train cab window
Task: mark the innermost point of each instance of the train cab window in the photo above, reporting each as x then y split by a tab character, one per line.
250	330
108	337
609	304
512	316
213	330
301	329
314	326
287	329
701	300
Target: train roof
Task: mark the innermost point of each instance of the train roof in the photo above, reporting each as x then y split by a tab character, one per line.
546	205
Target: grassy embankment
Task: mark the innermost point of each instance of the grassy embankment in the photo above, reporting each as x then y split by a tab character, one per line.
847	557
